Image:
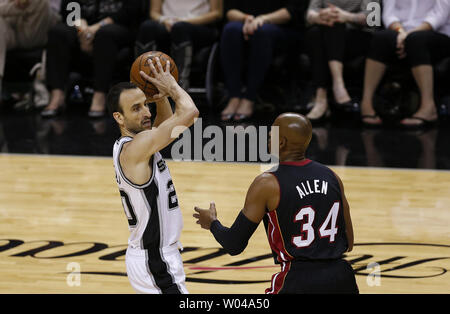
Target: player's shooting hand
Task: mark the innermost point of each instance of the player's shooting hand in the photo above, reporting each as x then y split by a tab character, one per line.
155	98
206	216
162	79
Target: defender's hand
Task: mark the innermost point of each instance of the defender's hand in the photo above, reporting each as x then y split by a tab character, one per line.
206	216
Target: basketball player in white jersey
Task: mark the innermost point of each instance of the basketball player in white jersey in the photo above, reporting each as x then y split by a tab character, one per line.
153	260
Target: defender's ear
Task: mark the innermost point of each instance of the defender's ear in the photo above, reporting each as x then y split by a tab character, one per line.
283	142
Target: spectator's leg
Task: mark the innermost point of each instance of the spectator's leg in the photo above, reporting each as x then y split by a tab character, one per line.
231	56
184	37
262	46
7	41
334	39
107	43
62	44
423	49
382	51
339	90
320	71
182	52
152	36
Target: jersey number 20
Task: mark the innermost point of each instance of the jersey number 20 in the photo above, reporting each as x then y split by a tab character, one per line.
307	215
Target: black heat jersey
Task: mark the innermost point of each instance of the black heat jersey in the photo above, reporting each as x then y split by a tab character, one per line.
308	223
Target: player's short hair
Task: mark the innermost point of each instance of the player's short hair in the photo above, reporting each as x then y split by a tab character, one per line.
113	97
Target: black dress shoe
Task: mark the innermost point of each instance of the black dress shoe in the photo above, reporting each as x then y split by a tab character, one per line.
348	106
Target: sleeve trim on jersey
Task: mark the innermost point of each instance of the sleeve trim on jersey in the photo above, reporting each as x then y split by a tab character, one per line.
279	190
138	186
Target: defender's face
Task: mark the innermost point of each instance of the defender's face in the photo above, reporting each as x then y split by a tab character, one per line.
136	114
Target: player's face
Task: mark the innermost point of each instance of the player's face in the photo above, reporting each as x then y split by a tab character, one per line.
136	114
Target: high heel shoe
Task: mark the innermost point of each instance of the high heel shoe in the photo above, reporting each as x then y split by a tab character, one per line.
247	105
225	117
51	113
318	114
233	104
241	117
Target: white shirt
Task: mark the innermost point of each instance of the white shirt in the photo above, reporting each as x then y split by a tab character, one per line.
412	13
185	8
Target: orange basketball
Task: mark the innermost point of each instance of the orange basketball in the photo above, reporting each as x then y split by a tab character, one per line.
141	64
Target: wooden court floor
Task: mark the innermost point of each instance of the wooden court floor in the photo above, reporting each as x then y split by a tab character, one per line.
63	230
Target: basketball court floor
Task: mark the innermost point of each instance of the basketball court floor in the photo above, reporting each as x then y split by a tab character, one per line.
63	229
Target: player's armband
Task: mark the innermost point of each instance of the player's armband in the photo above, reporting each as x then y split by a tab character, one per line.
234	239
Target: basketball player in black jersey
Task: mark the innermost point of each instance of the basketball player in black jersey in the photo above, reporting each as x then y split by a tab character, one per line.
306	215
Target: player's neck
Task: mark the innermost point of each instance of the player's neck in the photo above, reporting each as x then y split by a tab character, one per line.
126	133
292	156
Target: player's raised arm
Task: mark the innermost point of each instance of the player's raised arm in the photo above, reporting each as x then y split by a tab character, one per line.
146	143
163	111
262	194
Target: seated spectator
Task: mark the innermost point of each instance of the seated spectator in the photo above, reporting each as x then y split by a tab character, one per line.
337	34
417	34
177	28
23	24
263	29
105	27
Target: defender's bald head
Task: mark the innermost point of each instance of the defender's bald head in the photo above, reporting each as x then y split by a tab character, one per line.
295	132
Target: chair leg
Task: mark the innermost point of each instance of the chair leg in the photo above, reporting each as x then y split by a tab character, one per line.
182	55
141	48
210	72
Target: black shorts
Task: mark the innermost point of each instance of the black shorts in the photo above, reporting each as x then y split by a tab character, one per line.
316	277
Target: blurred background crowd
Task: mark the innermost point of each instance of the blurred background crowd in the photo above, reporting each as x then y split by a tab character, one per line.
380	62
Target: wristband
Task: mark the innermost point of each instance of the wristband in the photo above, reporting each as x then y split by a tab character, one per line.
234	239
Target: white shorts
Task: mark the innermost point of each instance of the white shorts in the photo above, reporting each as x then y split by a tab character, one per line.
156	272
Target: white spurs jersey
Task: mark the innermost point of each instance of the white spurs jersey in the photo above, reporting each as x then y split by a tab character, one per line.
152	210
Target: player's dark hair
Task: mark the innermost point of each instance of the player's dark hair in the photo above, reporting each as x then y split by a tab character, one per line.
113	97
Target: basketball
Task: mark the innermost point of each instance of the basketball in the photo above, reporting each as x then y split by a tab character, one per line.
141	64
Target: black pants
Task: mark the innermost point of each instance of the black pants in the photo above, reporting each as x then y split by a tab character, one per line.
154	35
422	48
318	277
63	54
337	43
261	48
